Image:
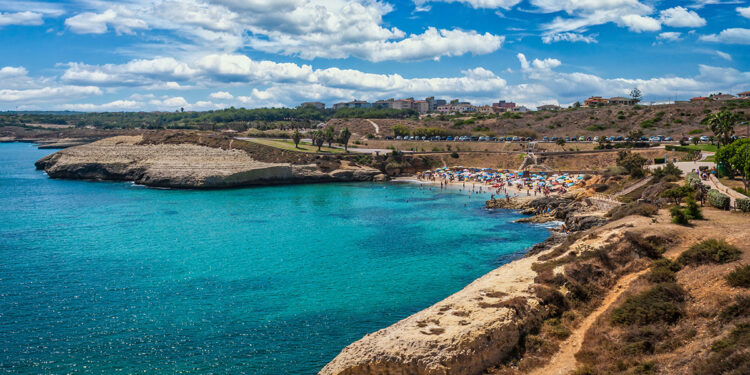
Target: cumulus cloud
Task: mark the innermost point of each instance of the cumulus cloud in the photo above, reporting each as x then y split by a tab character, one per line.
729	36
671	36
121	20
744	12
681	17
568	37
639	24
305	28
476	4
25	18
221	95
582	14
47	94
117	105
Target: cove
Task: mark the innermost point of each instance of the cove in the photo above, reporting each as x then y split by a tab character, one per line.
100	277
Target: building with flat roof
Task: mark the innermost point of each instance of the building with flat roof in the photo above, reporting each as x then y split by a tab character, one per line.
744	95
619	100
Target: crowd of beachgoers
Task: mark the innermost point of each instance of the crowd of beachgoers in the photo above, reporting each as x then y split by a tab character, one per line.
501	182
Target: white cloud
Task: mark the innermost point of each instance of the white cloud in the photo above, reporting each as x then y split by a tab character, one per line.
744	12
681	17
639	24
221	95
568	37
134	73
47	94
121	20
12	72
585	13
25	18
117	105
671	36
729	36
305	28
476	4
724	55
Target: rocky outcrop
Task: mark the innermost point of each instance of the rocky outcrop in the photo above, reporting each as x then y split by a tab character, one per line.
125	158
464	334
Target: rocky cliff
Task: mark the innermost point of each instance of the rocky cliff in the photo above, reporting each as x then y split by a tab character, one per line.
464	334
189	165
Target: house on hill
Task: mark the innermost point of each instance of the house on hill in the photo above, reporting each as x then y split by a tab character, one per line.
721	96
548	107
619	100
595	101
744	95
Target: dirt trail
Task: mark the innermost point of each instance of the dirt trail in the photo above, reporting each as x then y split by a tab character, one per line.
564	362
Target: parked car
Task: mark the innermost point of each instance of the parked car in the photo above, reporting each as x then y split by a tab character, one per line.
704	138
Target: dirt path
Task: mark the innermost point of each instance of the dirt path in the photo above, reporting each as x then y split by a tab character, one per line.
564	362
377	128
634	187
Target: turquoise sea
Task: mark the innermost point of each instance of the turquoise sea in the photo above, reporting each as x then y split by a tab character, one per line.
99	277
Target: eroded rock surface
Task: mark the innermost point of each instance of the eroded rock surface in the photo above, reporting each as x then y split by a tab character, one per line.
463	334
125	158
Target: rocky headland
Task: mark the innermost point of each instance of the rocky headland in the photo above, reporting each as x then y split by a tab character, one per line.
193	161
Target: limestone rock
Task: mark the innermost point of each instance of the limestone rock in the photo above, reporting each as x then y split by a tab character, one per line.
186	166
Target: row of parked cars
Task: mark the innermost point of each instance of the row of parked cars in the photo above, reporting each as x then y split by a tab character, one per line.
469	138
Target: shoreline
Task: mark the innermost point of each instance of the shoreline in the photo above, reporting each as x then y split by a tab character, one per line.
453	334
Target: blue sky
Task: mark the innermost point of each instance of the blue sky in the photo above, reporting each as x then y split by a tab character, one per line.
131	55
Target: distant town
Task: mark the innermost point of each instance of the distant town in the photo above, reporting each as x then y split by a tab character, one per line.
442	106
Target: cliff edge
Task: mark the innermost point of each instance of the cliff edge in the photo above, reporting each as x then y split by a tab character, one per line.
193	165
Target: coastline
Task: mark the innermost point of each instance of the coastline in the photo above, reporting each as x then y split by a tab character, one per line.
468	331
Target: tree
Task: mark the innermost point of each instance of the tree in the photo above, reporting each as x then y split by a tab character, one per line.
677	193
318	138
454	101
635	94
735	157
695	140
344	137
561	142
722	124
329	135
296	137
632	163
577	105
400	130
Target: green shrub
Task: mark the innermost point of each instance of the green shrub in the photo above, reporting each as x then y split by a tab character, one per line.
740	277
678	216
454	155
555	329
659	160
743	205
718	199
693	211
739	309
693	180
661	303
663	271
710	251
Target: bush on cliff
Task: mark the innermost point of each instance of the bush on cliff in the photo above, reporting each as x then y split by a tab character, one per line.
662	303
693	211
710	251
739	277
663	271
739	309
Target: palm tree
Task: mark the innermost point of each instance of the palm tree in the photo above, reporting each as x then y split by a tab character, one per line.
722	124
344	138
296	137
318	138
329	135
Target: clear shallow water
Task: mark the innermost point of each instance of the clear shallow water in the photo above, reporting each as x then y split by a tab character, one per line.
111	277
